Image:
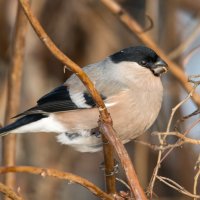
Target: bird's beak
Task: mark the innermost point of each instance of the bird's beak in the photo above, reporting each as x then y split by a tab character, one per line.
159	67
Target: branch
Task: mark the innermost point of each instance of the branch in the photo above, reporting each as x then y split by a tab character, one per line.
178	106
189	55
183	138
176	186
109	163
125	161
158	147
59	175
162	141
179	140
105	120
8	192
186	43
14	87
196	177
132	24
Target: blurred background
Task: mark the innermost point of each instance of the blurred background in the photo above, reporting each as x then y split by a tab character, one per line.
87	31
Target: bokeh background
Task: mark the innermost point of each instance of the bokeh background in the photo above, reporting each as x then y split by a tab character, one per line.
87	32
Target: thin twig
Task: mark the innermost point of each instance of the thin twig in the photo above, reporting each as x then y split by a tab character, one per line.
8	192
191	77
132	24
186	43
44	172
123	183
196	177
14	87
127	186
176	186
190	54
105	119
163	139
158	147
179	141
151	24
182	119
154	175
181	136
178	106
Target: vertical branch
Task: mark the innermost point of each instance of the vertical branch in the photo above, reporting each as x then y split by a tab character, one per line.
14	85
196	177
109	163
125	161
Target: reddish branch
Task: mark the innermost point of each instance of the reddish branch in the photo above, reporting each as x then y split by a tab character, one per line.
109	166
14	86
59	175
132	24
125	161
105	120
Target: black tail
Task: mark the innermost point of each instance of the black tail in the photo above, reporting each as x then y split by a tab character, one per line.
21	122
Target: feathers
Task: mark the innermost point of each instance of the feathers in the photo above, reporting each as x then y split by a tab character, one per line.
58	94
60	99
55	101
134	54
21	122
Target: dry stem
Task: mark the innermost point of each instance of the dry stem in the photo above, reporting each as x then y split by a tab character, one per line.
196	177
109	166
157	147
8	192
162	140
178	143
14	86
181	136
186	43
176	186
178	106
59	175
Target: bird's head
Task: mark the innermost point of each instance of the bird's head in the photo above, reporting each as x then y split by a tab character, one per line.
143	56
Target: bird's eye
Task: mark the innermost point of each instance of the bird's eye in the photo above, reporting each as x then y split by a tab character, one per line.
143	63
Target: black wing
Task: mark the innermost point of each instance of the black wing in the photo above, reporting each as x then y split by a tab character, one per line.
58	100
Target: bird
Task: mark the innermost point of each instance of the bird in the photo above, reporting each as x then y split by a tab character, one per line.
129	82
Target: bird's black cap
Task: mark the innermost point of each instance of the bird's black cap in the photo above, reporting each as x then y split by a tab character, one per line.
142	55
135	54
